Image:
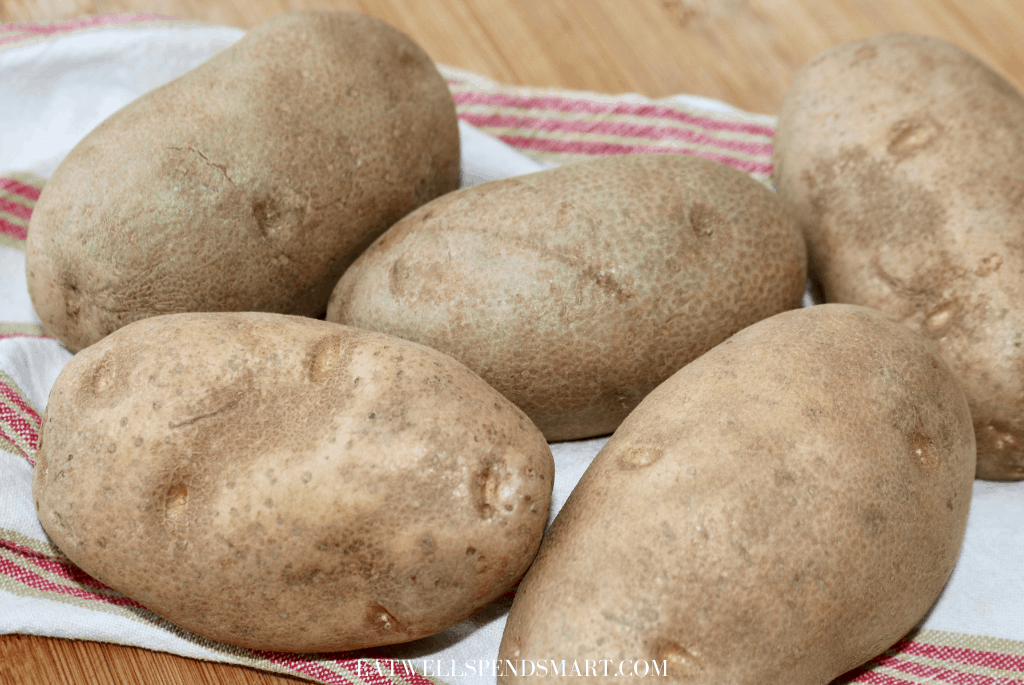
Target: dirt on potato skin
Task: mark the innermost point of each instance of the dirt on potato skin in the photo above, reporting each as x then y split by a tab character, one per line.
901	158
782	509
247	184
575	291
288	484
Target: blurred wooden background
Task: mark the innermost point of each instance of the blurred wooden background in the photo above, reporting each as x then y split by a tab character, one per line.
744	52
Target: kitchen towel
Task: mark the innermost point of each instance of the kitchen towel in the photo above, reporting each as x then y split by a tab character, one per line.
57	81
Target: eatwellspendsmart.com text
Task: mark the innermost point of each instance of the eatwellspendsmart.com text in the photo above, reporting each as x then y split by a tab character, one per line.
540	668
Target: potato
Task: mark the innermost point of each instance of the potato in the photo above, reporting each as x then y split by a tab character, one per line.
575	291
283	483
779	511
247	184
902	158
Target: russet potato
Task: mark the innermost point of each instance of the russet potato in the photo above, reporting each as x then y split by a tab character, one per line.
902	158
574	291
247	184
781	510
283	483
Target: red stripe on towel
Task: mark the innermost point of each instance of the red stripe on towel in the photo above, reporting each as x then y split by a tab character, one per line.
15	186
565	104
614	128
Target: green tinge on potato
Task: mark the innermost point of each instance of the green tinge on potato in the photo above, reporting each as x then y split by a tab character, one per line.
902	158
283	483
575	291
781	510
248	184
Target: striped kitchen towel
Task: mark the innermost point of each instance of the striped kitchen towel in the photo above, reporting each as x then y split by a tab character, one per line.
509	129
558	126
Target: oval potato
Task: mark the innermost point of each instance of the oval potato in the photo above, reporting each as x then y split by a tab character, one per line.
575	291
247	184
287	484
902	158
781	510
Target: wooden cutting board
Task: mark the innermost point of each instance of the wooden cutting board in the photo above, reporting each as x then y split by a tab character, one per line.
744	52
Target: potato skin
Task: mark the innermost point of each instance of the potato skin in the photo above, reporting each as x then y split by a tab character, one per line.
779	511
575	291
902	157
247	184
283	483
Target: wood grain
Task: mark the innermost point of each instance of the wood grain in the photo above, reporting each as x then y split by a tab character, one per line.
744	52
31	660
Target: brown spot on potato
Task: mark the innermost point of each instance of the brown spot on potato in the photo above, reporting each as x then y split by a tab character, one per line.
874	521
704	219
1003	446
860	203
924	452
381	619
398	278
176	503
328	357
909	136
863	54
102	377
603	276
640	456
72	304
998	438
938	320
871	202
489	482
681	661
565	214
989	264
264	211
807	178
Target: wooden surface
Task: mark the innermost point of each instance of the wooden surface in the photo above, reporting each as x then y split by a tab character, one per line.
30	660
744	52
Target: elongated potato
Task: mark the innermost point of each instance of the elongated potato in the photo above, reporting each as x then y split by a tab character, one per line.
779	511
902	157
575	291
247	184
283	483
